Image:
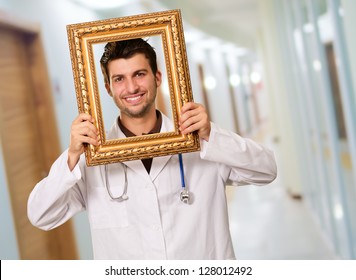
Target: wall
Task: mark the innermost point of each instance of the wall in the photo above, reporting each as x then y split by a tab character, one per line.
8	242
349	7
278	89
309	148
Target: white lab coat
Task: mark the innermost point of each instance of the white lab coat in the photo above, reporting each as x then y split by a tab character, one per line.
153	223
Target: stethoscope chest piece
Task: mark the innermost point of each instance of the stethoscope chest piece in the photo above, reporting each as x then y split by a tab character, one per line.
184	196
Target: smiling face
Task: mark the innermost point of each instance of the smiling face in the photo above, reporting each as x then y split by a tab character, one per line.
133	86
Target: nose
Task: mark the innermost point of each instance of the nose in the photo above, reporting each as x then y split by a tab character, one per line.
132	86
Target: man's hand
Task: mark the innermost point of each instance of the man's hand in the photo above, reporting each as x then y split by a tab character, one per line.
195	118
82	131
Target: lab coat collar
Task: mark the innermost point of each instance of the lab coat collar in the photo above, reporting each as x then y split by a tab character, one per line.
137	166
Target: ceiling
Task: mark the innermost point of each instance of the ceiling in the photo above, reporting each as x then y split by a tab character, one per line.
236	21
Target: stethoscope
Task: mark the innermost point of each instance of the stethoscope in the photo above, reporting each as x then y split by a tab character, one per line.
184	194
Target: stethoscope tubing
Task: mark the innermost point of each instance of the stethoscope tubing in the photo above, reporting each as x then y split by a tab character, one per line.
123	197
181	168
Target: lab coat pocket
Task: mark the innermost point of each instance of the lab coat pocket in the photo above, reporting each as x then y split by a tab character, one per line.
104	212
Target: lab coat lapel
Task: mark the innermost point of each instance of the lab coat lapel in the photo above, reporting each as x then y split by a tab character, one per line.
137	166
158	164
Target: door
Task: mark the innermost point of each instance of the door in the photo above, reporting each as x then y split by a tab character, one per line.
29	138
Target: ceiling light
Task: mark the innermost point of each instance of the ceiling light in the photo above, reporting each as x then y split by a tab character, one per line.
338	211
210	82
317	65
235	80
255	77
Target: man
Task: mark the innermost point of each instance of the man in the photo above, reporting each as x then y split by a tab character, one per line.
150	221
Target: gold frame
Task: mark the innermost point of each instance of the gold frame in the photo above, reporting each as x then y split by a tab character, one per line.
168	25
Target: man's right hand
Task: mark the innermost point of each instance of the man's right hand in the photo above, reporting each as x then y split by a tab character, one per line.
82	131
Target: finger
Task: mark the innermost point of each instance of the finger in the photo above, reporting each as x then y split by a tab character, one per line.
188	106
83	117
190	120
86	131
78	141
195	126
189	113
84	127
89	126
201	128
87	140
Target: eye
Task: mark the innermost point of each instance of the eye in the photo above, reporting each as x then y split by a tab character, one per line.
140	74
118	79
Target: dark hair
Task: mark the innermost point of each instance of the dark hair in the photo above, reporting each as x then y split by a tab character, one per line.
127	49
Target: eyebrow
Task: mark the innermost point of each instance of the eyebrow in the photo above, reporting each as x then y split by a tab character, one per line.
134	73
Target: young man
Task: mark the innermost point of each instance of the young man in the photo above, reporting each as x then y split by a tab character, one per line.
133	207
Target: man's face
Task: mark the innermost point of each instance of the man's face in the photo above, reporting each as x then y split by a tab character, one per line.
133	85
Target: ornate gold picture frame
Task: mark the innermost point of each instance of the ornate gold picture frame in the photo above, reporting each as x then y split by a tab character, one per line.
84	37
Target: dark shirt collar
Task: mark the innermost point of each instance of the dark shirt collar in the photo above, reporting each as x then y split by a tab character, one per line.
155	129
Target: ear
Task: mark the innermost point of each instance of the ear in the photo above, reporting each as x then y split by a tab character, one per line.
158	78
107	86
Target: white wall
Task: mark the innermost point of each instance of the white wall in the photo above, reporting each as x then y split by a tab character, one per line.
349	7
8	242
278	90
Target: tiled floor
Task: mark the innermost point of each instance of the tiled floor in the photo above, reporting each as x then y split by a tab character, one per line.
266	223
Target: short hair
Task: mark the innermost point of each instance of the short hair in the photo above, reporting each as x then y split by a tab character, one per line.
127	49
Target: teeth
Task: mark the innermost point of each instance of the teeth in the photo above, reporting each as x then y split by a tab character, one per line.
133	98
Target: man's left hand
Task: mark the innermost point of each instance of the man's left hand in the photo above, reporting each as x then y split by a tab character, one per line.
195	118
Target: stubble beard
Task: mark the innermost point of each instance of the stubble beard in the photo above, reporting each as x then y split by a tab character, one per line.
135	114
139	114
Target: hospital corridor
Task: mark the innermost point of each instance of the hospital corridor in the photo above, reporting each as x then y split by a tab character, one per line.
280	228
279	72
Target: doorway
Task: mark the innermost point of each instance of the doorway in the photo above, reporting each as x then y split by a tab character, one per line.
29	136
